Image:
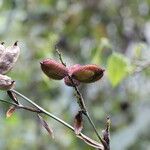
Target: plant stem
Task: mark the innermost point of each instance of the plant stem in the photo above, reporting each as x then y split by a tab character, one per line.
85	111
43	110
10	103
81	102
39	109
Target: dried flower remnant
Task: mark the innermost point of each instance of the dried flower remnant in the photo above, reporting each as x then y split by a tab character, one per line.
9	58
54	69
78	122
10	111
6	83
88	73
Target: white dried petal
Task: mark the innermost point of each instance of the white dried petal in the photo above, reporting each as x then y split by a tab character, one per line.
9	58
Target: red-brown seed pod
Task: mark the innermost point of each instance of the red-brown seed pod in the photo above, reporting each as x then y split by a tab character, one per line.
69	83
53	69
6	83
88	73
9	58
70	71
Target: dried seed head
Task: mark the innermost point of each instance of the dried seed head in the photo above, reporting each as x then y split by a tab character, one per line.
9	58
6	83
53	69
2	48
88	73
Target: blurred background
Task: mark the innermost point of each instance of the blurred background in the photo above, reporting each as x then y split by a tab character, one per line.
114	34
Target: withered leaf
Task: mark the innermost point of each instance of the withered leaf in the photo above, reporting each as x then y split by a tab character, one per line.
12	96
91	142
46	126
78	123
10	111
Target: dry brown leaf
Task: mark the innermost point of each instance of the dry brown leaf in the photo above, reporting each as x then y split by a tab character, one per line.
12	96
10	111
46	126
78	123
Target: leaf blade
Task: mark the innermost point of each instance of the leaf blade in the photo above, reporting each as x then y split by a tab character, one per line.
46	126
118	67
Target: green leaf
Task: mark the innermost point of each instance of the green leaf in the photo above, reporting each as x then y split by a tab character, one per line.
118	67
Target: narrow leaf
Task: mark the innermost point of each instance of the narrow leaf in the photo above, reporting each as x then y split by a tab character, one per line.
78	123
46	126
10	111
12	96
91	142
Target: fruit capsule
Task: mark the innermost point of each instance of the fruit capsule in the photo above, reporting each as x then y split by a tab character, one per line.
9	58
87	73
53	69
70	71
69	83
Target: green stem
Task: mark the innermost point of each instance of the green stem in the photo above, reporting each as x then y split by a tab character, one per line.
10	103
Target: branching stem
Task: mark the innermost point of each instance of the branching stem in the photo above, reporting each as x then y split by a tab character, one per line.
81	103
39	109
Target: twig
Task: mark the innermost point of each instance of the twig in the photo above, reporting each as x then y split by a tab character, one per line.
81	103
43	111
7	102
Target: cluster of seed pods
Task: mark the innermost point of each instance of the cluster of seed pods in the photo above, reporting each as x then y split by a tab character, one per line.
8	58
78	73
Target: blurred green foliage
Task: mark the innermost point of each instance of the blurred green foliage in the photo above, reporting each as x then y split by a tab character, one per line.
114	34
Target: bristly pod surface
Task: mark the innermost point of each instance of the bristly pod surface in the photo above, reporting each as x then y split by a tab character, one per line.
6	83
53	69
70	71
2	48
87	73
69	83
9	58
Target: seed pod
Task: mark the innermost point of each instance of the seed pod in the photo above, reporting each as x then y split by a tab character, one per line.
88	73
70	71
53	69
69	83
6	83
2	48
9	58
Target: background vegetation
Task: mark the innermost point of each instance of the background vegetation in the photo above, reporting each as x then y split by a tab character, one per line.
114	34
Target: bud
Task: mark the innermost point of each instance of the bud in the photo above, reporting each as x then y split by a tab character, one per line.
70	71
9	58
87	73
6	83
2	48
53	69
